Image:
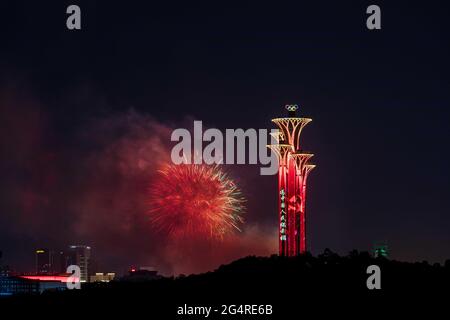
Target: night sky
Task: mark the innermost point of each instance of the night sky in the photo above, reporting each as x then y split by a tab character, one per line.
86	117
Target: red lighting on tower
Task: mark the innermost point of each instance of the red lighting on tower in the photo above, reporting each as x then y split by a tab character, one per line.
292	176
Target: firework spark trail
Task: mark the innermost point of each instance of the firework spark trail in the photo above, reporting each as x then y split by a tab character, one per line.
191	200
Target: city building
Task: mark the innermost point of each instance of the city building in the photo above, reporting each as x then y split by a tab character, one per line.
102	277
43	261
80	255
294	168
17	285
59	262
49	261
32	284
4	270
48	282
141	274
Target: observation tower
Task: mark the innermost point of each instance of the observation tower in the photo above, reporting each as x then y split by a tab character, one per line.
294	168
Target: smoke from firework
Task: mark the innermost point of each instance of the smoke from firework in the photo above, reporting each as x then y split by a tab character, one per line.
91	187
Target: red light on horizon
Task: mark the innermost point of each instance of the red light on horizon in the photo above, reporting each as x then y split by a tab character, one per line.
51	278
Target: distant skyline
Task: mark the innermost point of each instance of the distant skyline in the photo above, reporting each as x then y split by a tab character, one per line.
86	117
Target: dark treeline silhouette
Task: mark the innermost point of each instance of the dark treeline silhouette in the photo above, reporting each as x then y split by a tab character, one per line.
328	284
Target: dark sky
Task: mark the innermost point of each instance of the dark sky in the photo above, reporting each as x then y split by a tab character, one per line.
85	116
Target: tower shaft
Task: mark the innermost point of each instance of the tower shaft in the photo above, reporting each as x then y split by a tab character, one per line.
292	176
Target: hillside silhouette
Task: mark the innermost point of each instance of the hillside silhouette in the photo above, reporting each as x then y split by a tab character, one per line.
329	284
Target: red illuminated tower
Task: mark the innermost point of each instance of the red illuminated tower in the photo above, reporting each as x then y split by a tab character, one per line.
292	177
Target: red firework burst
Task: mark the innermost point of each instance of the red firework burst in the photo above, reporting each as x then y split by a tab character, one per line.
195	201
